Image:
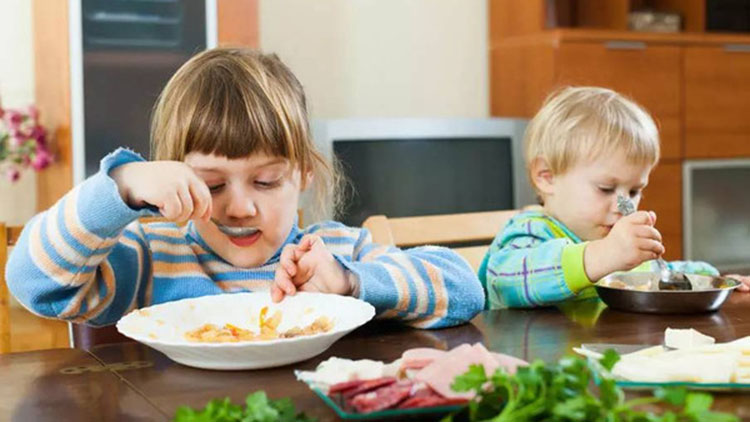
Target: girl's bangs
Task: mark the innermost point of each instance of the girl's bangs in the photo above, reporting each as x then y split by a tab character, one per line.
231	120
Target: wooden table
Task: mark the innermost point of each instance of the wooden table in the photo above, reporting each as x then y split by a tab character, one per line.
67	384
153	380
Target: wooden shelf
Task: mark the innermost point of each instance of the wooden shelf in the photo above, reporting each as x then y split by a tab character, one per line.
510	18
587	35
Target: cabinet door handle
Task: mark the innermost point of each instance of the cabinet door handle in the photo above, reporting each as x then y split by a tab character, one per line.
737	48
625	45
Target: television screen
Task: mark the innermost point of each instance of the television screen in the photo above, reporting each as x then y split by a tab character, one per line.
425	176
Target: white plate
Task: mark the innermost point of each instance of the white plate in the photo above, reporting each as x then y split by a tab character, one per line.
163	327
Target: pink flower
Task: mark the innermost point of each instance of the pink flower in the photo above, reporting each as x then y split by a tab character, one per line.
15	118
33	113
39	134
26	144
42	159
13	174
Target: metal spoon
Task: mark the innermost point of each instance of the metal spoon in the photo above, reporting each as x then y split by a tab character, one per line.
234	231
668	280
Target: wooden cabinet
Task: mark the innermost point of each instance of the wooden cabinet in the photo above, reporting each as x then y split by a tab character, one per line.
650	74
717	101
696	86
663	195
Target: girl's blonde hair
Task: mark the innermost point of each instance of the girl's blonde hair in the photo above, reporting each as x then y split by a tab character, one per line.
582	123
235	102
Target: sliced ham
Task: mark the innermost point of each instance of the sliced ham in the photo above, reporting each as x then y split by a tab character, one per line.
420	357
441	373
510	363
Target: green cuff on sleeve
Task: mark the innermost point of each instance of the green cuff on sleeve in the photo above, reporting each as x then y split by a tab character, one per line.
572	266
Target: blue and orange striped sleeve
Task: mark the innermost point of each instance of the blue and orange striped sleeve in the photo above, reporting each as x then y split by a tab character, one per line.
426	287
84	259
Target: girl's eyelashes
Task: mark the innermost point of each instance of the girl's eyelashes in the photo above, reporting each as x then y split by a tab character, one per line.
215	188
606	189
270	184
261	184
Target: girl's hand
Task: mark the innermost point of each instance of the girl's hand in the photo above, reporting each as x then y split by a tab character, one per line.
744	281
632	241
310	267
170	186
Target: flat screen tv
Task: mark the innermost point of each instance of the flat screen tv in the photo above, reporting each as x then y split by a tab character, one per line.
408	167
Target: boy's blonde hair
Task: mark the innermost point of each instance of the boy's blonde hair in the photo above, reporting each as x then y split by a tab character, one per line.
581	123
235	102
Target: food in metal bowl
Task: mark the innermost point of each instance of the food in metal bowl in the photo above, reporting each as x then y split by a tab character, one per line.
639	292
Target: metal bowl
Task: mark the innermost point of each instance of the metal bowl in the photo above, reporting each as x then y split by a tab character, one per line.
639	292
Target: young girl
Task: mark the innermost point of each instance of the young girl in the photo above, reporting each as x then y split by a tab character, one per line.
230	133
584	147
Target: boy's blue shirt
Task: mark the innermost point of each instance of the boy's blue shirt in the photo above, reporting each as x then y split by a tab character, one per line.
89	259
535	260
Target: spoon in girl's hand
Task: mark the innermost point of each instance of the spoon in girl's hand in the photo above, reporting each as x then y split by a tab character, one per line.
234	231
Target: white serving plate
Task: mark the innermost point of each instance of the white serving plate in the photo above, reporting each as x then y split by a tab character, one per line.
163	327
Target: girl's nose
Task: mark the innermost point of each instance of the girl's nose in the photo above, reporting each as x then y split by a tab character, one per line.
241	205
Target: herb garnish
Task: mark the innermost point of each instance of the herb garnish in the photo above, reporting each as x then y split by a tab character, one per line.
562	392
258	409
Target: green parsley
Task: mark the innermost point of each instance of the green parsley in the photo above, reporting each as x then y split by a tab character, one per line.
258	408
563	391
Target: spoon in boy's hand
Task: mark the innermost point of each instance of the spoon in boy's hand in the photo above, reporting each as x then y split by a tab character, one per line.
668	280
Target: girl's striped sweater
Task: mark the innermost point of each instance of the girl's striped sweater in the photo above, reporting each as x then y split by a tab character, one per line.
89	259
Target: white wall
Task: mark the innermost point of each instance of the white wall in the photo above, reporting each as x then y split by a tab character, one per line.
356	58
18	200
383	58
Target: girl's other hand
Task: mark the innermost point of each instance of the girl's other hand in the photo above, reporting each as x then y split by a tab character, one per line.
171	186
310	267
744	281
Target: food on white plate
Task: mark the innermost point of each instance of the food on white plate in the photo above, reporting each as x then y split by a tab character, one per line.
230	333
163	327
420	378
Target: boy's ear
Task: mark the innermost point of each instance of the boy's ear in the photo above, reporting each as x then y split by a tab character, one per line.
542	176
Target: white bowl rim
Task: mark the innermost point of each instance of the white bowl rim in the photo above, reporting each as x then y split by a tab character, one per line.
341	328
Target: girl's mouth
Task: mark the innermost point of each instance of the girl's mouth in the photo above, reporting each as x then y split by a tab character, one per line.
245	240
241	236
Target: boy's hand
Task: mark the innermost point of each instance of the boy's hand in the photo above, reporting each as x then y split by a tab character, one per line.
744	281
632	241
170	186
310	267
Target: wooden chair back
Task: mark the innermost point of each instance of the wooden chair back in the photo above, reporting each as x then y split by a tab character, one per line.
8	237
469	234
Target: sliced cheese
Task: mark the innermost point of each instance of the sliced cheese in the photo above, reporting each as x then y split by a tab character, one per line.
689	338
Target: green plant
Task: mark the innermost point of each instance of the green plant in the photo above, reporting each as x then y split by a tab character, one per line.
563	391
258	408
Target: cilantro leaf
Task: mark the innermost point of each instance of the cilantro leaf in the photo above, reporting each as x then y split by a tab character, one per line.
610	358
258	408
564	391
